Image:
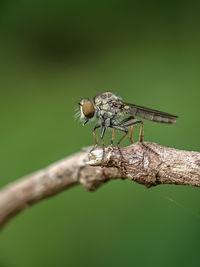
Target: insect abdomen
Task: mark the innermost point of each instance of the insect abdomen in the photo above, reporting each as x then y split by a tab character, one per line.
156	117
149	114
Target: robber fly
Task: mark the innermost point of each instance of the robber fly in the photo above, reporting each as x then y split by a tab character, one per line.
108	109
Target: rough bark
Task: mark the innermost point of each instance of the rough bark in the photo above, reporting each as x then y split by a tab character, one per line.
145	163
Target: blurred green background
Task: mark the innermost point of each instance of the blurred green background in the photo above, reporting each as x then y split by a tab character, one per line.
53	53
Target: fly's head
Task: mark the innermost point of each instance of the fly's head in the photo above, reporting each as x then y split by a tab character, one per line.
86	110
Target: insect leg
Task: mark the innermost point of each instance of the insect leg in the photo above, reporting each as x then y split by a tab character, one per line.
112	138
131	122
120	128
95	136
126	120
103	129
131	134
141	131
122	138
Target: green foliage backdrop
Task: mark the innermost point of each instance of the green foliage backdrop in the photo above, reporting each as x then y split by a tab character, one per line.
52	55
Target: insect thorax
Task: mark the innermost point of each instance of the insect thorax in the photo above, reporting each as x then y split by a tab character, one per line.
106	112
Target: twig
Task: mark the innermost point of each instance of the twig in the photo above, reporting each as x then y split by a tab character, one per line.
145	163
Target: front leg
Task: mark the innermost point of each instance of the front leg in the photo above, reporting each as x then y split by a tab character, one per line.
95	137
103	130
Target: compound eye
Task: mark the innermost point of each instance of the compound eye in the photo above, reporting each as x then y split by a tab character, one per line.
88	109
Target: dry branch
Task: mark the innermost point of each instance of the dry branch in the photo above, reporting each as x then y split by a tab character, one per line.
145	163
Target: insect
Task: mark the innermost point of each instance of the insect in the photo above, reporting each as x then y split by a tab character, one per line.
109	109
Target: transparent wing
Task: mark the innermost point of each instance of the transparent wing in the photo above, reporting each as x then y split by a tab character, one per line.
149	114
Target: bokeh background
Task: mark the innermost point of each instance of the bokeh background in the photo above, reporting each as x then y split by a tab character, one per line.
53	53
